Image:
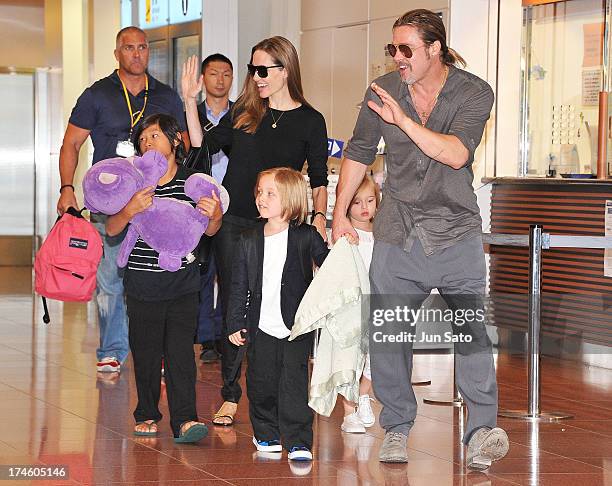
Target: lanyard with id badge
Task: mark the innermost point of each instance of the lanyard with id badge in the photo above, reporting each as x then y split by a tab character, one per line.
125	148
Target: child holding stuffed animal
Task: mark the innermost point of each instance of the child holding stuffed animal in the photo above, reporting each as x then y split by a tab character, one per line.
272	270
162	305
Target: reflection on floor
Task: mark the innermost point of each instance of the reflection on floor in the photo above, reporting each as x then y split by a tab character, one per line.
54	410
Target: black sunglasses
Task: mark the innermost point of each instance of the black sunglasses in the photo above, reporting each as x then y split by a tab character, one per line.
403	48
262	71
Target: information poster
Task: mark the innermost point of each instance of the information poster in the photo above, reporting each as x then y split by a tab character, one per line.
591	85
592	61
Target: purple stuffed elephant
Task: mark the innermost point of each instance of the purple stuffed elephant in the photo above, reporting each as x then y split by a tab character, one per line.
171	227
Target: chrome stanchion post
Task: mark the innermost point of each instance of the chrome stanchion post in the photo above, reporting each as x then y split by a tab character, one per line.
533	336
533	332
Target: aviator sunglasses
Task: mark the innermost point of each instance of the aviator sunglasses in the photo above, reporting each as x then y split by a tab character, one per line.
403	48
262	71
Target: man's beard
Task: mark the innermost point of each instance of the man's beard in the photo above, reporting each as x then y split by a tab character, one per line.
407	81
410	81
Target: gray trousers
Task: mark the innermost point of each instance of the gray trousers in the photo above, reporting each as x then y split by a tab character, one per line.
456	272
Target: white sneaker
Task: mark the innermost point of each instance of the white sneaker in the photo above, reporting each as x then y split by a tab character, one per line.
299	453
364	411
110	364
486	446
267	445
352	424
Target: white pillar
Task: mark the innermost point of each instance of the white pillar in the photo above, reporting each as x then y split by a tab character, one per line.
106	24
75	51
471	36
75	70
220	34
509	87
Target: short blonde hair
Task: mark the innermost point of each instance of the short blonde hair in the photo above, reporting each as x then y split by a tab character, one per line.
292	189
366	182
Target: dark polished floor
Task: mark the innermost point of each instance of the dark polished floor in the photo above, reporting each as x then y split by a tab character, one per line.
55	410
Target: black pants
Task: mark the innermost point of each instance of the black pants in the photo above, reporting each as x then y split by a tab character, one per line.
164	328
224	243
277	387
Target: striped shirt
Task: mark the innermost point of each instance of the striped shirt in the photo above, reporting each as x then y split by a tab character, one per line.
144	279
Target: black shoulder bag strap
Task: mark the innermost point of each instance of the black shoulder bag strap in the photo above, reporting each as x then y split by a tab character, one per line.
200	160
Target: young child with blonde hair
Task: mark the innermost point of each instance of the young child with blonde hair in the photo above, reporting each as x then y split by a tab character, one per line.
336	304
273	266
361	215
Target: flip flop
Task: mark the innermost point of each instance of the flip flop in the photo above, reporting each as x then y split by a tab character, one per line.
193	434
221	414
148	432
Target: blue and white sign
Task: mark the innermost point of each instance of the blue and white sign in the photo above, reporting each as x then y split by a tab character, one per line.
334	148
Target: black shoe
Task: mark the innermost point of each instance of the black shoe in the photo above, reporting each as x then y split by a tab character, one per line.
209	356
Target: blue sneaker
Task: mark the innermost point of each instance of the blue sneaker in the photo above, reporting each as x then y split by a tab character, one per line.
268	445
299	453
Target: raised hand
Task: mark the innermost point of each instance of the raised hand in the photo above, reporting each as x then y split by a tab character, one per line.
390	111
191	78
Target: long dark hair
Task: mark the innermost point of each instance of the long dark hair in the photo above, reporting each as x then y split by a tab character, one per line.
431	29
170	128
250	108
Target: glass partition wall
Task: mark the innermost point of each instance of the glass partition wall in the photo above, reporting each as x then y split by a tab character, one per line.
564	67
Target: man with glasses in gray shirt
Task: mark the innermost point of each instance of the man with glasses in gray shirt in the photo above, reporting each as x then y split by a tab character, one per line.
427	231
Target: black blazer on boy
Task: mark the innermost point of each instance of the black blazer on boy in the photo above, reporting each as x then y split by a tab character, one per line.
304	246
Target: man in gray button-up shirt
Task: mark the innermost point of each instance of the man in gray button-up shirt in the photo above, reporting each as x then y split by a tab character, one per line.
431	115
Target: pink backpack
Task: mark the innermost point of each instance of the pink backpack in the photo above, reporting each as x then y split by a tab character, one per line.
65	265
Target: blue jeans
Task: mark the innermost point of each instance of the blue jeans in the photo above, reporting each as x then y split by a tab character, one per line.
112	315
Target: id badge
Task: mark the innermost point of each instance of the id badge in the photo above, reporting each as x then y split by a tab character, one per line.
125	148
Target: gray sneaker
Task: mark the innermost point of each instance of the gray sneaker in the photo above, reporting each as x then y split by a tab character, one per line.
485	446
393	448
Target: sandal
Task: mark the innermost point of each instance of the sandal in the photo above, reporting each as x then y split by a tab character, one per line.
150	429
226	412
192	434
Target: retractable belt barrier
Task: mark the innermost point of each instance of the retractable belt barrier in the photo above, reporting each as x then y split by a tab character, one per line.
538	241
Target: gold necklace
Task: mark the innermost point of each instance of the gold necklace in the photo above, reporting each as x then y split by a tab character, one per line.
424	114
275	120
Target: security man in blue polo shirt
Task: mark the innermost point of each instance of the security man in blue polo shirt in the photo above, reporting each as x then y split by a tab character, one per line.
109	111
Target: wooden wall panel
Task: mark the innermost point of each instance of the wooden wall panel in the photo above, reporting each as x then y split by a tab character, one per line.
577	298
